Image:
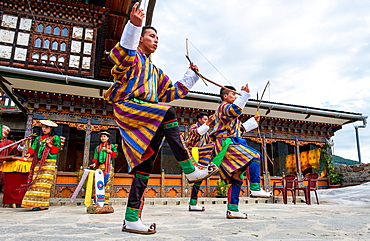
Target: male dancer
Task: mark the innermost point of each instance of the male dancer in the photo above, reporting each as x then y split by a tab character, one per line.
233	155
143	122
199	143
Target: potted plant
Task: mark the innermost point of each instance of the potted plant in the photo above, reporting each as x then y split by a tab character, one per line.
326	158
335	179
221	188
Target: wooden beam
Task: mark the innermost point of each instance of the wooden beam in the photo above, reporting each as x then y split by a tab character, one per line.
149	12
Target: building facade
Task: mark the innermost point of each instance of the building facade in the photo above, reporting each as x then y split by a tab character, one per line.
53	66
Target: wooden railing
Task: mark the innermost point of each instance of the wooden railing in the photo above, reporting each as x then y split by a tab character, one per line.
159	185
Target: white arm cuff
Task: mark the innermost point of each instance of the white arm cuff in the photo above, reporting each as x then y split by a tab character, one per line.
250	124
242	100
189	79
130	37
203	129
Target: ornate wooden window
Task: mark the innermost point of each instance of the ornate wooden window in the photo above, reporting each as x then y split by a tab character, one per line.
65	32
57	36
56	31
40	27
61	60
63	46
44	58
35	57
37	43
54	46
46	44
53	59
48	29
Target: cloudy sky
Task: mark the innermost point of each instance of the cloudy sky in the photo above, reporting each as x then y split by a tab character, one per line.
315	53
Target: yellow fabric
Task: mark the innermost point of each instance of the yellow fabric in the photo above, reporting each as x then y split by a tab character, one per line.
38	195
108	185
16	166
90	180
195	153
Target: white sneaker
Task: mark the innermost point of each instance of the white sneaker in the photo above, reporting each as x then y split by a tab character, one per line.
138	227
236	215
201	172
261	193
196	208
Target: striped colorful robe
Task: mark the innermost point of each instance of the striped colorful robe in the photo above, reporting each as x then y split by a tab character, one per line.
202	142
139	86
227	125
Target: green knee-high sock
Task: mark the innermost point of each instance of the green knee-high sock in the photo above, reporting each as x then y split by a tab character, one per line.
135	199
233	195
193	202
233	207
187	166
132	214
194	194
255	186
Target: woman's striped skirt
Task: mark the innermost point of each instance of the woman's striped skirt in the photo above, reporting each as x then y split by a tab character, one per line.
38	195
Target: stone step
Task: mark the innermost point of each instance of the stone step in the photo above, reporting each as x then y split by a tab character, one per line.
177	201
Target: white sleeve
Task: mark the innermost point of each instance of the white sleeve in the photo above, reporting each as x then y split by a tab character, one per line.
203	129
250	124
242	100
189	79
20	148
130	37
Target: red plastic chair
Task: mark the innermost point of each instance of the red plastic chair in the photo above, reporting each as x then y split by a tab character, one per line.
285	184
311	180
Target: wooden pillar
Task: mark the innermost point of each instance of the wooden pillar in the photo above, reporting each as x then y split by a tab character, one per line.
86	160
298	160
208	187
162	183
28	132
183	185
265	170
28	125
149	12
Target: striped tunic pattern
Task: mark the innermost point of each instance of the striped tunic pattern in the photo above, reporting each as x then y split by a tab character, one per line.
227	125
139	86
195	139
203	142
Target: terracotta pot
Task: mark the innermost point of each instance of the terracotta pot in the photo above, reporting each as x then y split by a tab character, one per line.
334	186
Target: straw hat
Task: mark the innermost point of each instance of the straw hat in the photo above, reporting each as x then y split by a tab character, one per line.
104	133
48	123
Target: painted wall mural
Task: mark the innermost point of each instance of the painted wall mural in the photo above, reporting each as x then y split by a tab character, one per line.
310	162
